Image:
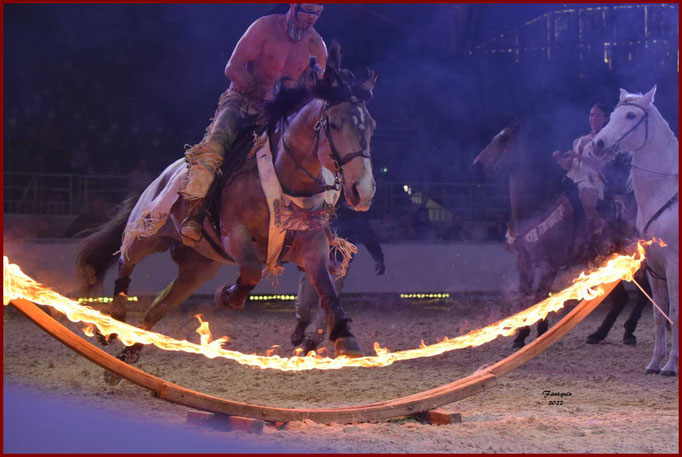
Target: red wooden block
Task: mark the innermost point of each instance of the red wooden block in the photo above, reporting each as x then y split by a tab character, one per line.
441	417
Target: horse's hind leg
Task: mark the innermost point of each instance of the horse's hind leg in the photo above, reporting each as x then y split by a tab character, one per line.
118	307
193	270
138	250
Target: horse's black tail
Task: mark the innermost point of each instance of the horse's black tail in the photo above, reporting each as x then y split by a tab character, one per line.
96	254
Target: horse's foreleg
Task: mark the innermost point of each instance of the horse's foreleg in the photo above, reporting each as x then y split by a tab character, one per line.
310	315
636	313
250	271
618	299
314	259
306	305
526	275
658	288
670	368
547	275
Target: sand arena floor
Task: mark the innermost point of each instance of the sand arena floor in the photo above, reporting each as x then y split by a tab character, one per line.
613	406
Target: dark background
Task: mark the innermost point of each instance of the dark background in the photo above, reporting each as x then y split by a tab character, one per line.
128	81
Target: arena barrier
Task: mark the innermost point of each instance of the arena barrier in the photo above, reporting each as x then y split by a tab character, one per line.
410	267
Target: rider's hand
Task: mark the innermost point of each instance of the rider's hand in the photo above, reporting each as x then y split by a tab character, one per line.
255	92
619	204
379	267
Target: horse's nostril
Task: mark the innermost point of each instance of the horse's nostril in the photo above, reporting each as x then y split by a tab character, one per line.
600	144
356	193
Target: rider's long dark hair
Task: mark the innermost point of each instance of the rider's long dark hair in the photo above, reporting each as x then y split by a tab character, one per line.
96	254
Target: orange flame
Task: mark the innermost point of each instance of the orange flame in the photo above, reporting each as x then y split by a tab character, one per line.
586	286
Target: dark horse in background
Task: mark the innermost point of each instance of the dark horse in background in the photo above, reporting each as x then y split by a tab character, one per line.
323	122
547	228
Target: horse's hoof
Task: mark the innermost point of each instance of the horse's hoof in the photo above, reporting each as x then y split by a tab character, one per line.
591	339
298	334
112	379
130	354
348	346
630	340
310	345
104	340
220	296
226	297
517	344
652	371
668	373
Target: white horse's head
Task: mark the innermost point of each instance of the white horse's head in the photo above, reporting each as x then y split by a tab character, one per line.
628	126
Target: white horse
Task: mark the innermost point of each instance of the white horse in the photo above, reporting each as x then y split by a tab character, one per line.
638	127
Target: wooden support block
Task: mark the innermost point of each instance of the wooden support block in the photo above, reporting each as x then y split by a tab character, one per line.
225	422
439	417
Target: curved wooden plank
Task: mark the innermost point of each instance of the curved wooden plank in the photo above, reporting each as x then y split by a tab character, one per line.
449	393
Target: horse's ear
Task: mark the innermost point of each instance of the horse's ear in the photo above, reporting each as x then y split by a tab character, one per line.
334	56
648	98
371	80
364	90
331	77
623	94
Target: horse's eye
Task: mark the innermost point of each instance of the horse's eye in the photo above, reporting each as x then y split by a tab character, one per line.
630	116
333	126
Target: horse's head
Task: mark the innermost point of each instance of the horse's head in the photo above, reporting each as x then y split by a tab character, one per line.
498	147
347	129
628	126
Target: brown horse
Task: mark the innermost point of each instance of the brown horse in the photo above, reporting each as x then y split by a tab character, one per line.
543	226
323	123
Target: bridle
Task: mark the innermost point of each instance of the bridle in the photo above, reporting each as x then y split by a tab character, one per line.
323	125
644	119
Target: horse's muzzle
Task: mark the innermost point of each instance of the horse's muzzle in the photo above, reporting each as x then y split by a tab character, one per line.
356	199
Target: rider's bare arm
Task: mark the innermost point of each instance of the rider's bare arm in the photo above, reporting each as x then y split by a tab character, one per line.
248	49
564	160
319	50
